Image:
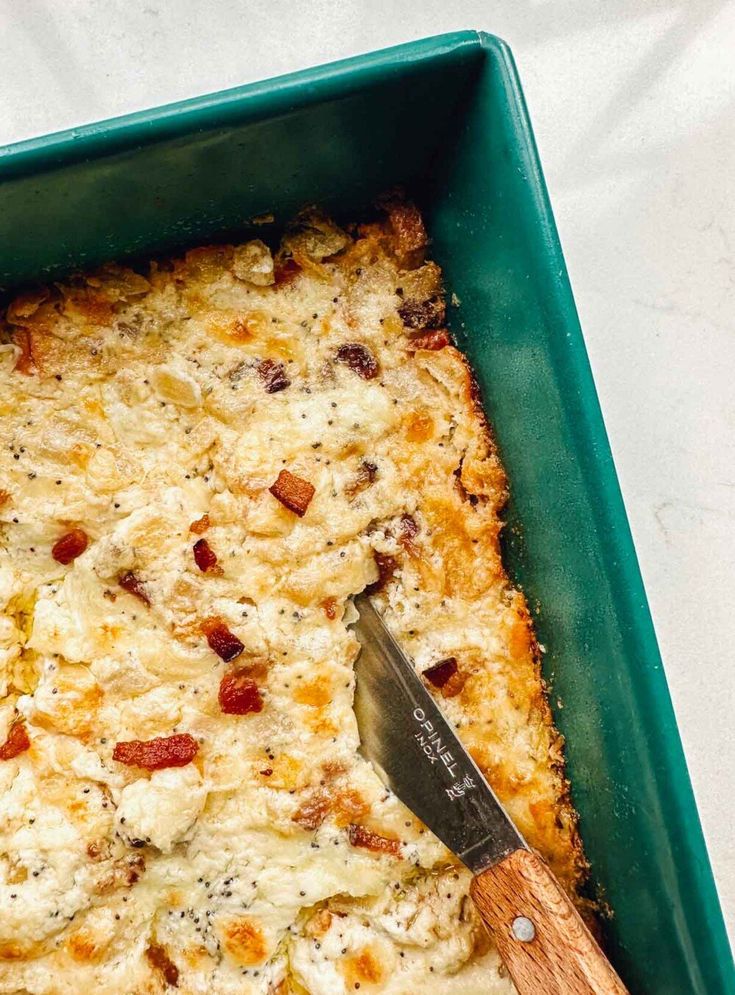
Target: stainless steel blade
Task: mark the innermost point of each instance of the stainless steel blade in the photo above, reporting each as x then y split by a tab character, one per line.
417	753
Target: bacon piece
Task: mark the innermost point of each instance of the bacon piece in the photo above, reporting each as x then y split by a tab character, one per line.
205	557
387	566
360	836
239	695
423	314
160	960
359	359
200	525
155	754
430	341
133	585
221	641
69	546
293	492
273	376
439	674
17	741
285	270
446	676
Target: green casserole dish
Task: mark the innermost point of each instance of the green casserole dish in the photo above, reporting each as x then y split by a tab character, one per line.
444	117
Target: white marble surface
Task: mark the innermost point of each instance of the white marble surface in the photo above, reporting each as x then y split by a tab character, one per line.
633	106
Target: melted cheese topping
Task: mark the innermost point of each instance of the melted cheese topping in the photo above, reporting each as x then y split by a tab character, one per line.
132	406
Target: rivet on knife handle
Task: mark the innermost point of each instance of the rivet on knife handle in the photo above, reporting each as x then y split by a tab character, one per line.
539	934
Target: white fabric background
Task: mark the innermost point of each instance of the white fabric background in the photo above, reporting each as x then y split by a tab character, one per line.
633	107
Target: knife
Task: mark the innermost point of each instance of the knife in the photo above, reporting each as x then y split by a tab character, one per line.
540	936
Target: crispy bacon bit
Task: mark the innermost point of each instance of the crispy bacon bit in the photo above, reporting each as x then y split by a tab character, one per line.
26	362
273	376
133	585
17	741
160	960
205	557
69	546
360	836
359	359
423	314
446	676
293	492
329	607
221	641
439	674
239	695
312	812
200	525
366	475
155	754
430	341
285	270
387	566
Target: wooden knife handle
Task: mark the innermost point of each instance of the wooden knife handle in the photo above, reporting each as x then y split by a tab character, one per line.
541	937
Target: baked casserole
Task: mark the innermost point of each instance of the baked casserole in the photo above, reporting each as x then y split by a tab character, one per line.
203	460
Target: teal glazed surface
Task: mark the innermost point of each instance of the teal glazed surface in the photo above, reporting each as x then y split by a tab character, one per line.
446	118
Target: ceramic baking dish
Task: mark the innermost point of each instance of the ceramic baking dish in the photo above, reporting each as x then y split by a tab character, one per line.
446	118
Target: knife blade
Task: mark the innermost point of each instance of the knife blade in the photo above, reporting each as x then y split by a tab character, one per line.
419	756
541	937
